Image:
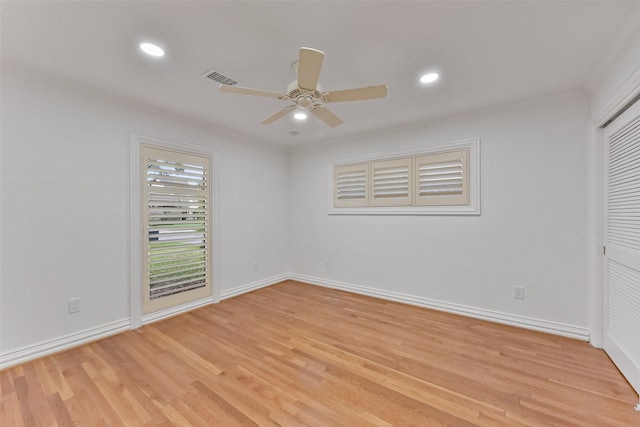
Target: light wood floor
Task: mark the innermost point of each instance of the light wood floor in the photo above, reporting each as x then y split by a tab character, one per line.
294	354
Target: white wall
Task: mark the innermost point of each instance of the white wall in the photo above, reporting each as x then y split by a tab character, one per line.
65	205
531	232
621	81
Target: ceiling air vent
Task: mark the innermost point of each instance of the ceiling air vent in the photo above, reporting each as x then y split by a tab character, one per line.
220	77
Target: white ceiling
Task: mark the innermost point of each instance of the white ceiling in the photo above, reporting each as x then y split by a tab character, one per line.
487	53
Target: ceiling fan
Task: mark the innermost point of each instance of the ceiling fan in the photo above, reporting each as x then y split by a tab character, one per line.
306	93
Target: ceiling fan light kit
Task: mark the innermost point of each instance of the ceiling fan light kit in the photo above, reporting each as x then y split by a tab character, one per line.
300	115
306	93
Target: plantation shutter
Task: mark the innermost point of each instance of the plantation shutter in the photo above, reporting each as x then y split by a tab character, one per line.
350	185
442	179
391	182
176	240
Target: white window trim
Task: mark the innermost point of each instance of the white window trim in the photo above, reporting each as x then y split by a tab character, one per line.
472	144
135	232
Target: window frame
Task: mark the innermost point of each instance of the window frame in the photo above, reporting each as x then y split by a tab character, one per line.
473	174
138	318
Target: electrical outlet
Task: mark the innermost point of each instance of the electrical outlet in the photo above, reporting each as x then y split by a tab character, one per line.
326	264
256	266
518	292
74	305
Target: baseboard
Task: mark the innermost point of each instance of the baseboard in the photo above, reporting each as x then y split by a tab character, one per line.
243	289
173	311
44	348
555	328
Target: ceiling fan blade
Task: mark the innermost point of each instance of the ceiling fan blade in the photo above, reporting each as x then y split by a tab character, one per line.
309	65
360	94
247	91
326	116
278	115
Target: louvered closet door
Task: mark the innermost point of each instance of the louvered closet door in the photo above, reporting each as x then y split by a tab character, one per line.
176	240
622	240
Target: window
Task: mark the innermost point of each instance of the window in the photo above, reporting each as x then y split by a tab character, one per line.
440	180
351	187
391	182
175	188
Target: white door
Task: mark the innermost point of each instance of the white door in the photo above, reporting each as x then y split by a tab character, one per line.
622	244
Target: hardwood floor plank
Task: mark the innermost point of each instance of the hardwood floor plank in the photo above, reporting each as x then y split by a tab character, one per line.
59	410
141	396
6	383
10	411
59	383
285	391
187	356
174	416
87	392
294	354
208	411
230	409
192	418
26	407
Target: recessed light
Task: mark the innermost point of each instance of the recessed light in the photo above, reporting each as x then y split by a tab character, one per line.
152	49
300	115
429	78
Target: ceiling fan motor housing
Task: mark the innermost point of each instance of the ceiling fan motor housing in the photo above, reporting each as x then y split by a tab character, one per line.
302	97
